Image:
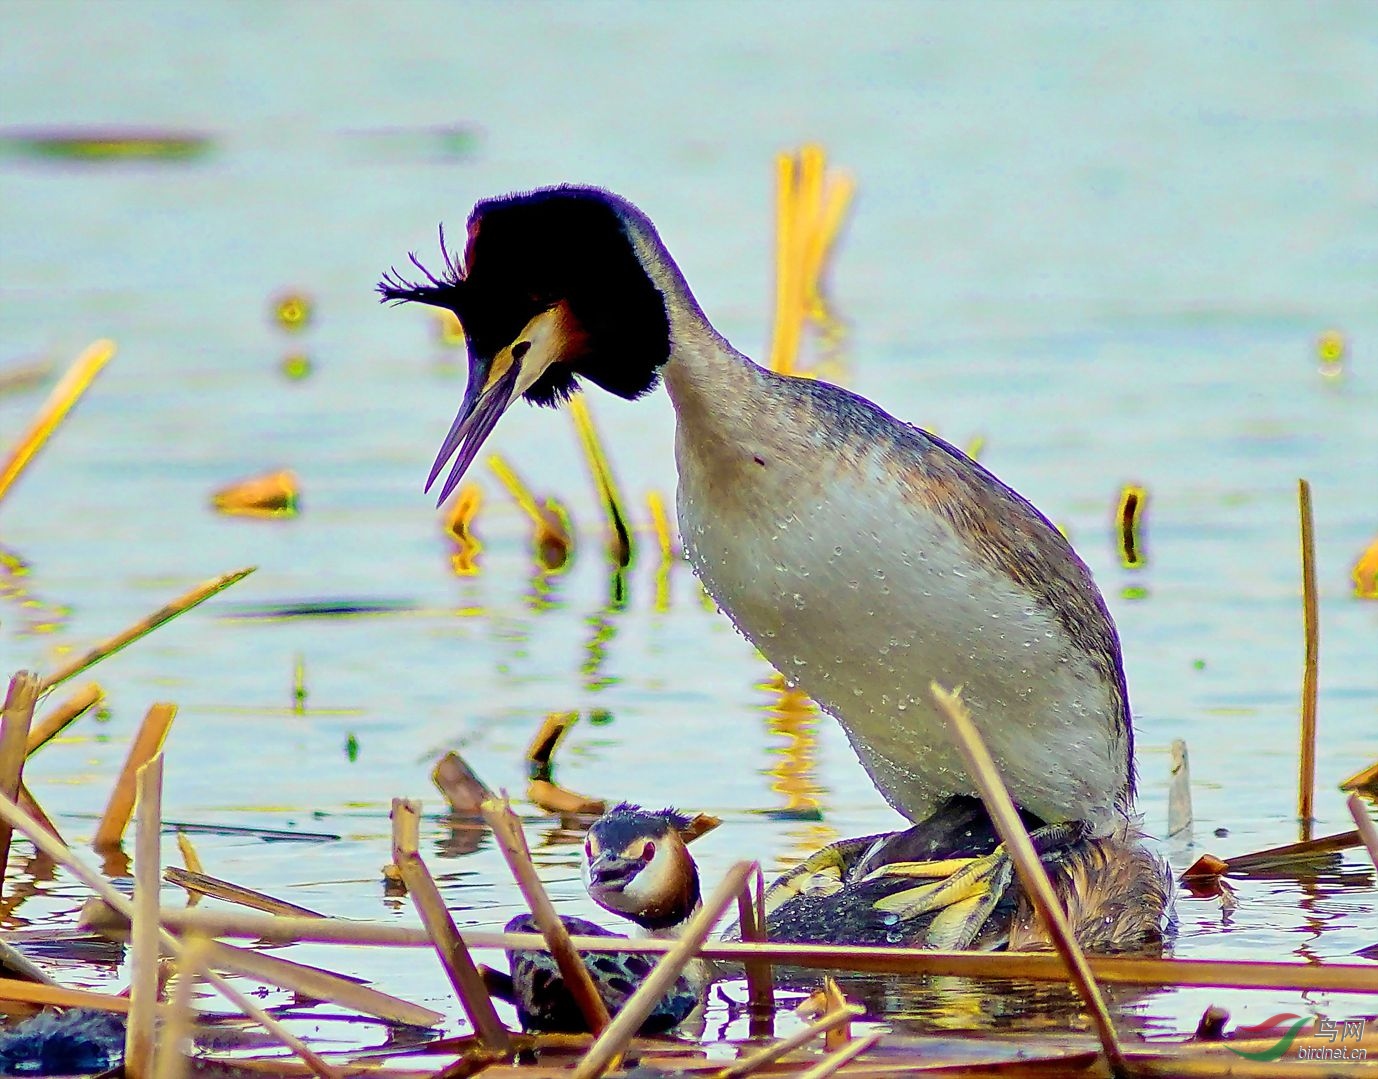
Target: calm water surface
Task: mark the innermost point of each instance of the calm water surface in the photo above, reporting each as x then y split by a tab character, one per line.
1103	238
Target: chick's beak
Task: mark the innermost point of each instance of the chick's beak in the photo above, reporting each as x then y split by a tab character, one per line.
494	383
612	872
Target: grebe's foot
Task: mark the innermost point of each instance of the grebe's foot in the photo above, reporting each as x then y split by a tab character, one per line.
823	873
963	891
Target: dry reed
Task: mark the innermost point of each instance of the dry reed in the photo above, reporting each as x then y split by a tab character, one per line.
59	853
859	959
199	884
449	945
1306	779
64	395
147	743
108	647
15	722
143	965
981	767
760	988
753	1062
460	784
836	1060
59	718
1365	826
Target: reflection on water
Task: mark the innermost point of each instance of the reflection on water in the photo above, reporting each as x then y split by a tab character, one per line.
793	717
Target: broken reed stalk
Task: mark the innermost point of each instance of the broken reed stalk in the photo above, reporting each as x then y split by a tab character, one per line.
13	961
59	996
15	721
192	861
449	945
61	854
861	959
200	884
507	831
460	784
311	983
108	647
1310	682
32	808
1179	812
318	984
830	1064
833	999
170	1062
760	988
147	743
143	966
981	767
1364	823
58	719
608	1047
771	1053
541	752
1291	853
64	395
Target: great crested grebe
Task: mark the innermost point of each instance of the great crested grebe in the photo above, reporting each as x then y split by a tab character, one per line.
636	865
865	558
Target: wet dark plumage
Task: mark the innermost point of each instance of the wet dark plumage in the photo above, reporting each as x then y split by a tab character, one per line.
543	1001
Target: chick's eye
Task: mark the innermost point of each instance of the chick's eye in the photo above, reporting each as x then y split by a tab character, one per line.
588	849
648	852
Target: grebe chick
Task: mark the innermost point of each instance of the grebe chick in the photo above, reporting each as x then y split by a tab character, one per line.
637	866
863	557
878	890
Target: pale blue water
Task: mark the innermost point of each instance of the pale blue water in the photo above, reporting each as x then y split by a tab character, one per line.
1104	237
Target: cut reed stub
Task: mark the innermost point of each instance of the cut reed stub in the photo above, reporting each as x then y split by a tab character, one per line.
1364	781
460	785
1179	811
272	495
554	798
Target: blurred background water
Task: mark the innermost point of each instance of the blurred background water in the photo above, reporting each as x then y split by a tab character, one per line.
1106	238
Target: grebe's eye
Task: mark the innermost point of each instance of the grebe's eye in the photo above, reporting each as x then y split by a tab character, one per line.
648	852
588	849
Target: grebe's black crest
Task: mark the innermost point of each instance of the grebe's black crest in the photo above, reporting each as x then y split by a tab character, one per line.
549	289
626	821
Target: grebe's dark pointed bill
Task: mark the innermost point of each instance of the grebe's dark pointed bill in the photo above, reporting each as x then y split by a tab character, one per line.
495	383
485	400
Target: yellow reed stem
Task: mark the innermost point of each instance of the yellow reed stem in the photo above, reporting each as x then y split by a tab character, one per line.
660	525
619	535
147	743
981	767
1310	684
784	341
58	719
65	394
144	626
